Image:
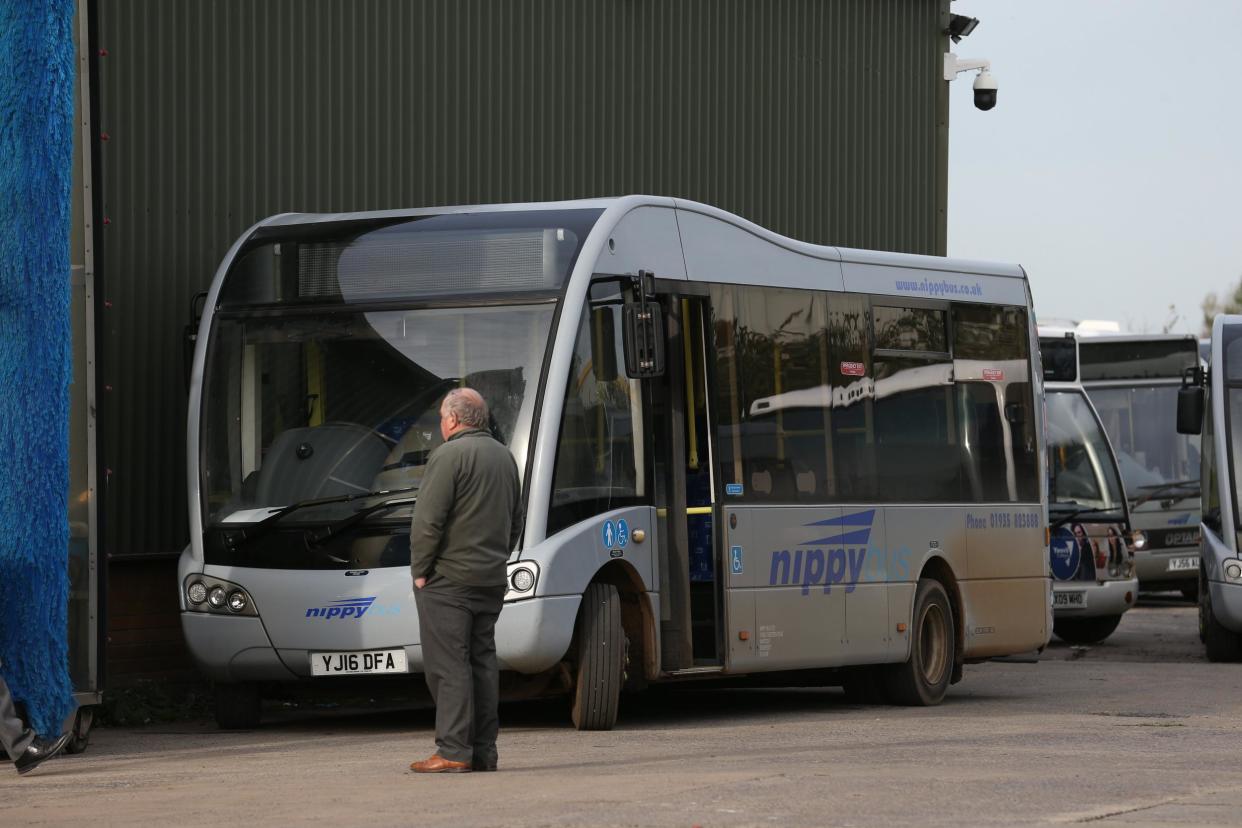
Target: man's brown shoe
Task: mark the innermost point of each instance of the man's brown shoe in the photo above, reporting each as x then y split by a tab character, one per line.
438	764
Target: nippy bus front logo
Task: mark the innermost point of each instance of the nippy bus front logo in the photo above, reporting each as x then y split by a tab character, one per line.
342	608
838	558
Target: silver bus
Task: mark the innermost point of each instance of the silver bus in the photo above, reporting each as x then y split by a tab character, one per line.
1133	381
741	454
1090	552
1211	404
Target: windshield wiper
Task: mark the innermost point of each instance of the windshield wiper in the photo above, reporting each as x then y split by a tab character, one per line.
241	538
333	529
1076	511
1151	492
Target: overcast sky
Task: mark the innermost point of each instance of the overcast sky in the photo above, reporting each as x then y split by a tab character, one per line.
1111	167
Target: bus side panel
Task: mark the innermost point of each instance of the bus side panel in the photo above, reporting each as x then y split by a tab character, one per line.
570	559
1005	616
1006	540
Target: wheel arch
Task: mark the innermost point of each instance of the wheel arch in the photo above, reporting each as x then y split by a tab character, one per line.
637	614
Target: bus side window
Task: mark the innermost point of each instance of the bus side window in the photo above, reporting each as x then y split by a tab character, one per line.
772	392
1210	487
995	404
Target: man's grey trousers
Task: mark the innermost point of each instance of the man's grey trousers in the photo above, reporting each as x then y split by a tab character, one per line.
457	625
14	735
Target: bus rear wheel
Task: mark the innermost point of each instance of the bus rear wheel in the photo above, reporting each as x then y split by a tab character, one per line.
924	677
1221	643
237	706
1085	630
601	659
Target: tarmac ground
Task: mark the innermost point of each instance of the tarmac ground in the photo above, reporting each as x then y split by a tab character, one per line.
1139	730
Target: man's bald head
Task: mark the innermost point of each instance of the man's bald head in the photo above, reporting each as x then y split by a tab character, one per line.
466	407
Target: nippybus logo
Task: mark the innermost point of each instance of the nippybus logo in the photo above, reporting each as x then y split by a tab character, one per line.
844	557
342	608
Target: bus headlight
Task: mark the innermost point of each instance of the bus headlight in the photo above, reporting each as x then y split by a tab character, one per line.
522	579
1233	570
217	596
1139	540
196	592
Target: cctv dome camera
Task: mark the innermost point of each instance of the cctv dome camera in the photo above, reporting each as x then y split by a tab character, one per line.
985	91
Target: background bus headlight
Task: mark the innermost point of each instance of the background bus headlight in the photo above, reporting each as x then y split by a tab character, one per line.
522	579
196	592
1139	540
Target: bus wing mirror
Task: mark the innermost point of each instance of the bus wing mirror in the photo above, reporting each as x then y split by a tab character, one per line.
644	340
603	345
1190	409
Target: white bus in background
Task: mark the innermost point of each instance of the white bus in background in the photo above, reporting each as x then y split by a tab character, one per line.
1133	382
741	454
1211	405
1090	542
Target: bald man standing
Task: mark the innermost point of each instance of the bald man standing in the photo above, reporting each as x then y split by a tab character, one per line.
466	522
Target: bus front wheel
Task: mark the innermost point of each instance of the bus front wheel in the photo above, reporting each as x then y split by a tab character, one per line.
601	659
237	706
924	677
1221	643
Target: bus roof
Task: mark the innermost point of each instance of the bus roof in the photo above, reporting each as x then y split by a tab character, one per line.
615	208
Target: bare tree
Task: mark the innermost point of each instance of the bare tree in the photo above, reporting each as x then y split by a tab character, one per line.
1213	305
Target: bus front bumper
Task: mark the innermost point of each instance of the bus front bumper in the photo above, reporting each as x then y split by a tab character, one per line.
1155	568
1092	599
231	649
532	635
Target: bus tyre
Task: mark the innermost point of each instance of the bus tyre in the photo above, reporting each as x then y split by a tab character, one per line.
1085	630
924	677
601	659
238	706
1222	644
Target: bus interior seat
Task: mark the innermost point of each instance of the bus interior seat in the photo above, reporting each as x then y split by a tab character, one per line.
319	461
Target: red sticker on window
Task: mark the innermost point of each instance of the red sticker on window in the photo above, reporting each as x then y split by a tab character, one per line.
853	369
993	375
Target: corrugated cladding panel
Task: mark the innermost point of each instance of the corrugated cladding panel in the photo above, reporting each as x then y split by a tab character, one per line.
816	119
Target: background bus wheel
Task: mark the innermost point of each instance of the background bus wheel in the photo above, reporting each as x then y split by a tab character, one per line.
81	733
1204	609
924	677
238	706
1085	630
1191	593
865	685
601	659
1222	644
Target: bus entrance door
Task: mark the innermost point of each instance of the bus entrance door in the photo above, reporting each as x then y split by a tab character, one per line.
691	607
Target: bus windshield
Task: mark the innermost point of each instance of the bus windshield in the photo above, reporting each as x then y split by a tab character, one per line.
321	404
1141	423
1080	462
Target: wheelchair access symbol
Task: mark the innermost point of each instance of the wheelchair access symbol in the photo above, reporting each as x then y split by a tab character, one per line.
615	534
735	560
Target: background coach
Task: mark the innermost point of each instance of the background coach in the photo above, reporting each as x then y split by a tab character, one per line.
466	522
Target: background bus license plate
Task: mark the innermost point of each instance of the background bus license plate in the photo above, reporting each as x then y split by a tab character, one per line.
1176	564
370	661
1069	599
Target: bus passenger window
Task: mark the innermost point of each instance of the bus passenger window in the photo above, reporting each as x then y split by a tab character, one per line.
772	392
995	403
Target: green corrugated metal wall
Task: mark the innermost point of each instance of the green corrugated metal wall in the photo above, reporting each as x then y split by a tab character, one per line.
821	119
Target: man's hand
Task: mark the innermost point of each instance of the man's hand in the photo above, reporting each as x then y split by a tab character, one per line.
419	583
